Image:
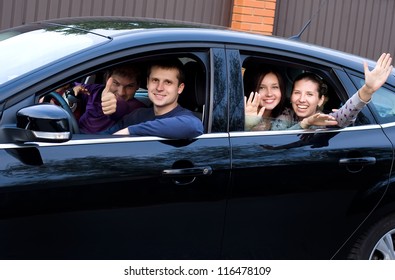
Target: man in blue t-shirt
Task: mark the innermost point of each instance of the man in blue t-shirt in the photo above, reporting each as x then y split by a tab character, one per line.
166	118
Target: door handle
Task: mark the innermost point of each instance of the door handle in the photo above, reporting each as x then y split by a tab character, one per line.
188	172
357	161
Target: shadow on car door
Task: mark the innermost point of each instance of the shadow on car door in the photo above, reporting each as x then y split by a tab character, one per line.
114	198
311	190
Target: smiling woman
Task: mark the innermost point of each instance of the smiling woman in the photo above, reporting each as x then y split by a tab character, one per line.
265	109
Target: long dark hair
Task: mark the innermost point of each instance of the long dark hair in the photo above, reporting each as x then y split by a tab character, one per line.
260	76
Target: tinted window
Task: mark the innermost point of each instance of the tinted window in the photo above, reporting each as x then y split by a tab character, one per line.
289	70
383	102
193	96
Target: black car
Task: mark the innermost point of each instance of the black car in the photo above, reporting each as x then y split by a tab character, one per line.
227	194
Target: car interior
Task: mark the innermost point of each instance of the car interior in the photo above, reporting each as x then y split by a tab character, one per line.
193	96
253	65
196	90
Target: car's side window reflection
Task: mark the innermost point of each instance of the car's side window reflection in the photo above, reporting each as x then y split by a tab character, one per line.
384	102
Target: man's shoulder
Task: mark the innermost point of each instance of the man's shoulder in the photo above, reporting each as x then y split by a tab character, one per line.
92	88
179	110
142	113
136	103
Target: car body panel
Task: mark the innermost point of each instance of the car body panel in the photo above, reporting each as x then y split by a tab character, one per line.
227	194
123	181
302	182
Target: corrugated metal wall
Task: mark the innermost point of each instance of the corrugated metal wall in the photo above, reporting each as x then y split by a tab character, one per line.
17	12
363	27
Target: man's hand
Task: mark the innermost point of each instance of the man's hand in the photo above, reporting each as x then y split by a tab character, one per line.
108	99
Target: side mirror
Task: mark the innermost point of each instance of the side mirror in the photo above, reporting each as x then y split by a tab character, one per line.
40	123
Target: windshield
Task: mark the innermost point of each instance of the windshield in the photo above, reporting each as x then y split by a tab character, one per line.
26	48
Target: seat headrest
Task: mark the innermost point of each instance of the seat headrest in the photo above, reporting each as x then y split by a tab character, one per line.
194	95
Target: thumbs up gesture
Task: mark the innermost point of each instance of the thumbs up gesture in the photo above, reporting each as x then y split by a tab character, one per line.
108	99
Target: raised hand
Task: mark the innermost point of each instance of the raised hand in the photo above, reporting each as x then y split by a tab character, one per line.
80	89
253	115
108	99
251	105
376	78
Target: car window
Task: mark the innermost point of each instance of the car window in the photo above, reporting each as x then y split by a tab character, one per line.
193	96
253	65
382	103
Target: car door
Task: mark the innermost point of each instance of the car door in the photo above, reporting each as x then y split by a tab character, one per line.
108	197
302	194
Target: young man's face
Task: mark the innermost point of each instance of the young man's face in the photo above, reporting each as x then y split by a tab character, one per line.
123	86
163	89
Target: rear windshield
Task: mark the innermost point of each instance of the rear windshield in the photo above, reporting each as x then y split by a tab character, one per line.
32	46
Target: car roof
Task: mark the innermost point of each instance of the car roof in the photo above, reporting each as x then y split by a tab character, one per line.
113	27
151	31
191	31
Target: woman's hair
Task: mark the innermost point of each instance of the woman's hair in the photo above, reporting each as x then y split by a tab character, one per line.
260	76
322	87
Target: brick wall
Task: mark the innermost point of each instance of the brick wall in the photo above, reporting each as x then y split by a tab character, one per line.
255	16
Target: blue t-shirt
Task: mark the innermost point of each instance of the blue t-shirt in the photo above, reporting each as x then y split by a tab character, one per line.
179	123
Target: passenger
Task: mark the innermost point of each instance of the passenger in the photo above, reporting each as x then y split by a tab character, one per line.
265	107
165	82
309	94
105	105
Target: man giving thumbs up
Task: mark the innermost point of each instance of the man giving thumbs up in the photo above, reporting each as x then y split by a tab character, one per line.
105	105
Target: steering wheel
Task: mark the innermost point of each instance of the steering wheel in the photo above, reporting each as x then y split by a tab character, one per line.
53	95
